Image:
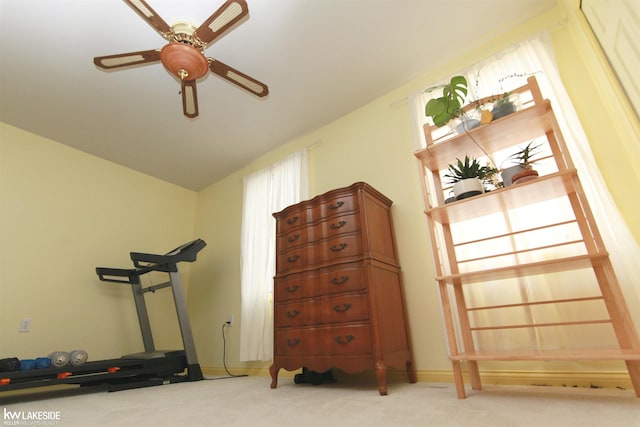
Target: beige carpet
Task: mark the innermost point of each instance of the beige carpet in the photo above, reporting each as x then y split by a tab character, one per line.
248	401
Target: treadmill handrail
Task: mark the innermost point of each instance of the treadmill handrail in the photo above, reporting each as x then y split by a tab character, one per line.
187	253
106	274
146	263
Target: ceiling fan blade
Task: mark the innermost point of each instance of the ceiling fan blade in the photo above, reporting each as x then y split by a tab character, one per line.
224	18
189	98
126	59
238	78
148	14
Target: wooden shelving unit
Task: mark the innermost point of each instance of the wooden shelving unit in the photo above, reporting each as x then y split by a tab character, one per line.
583	251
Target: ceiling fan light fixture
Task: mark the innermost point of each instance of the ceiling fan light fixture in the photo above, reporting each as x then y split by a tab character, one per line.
230	13
184	61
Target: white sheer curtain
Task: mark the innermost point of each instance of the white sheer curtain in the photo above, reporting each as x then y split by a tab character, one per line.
501	73
266	191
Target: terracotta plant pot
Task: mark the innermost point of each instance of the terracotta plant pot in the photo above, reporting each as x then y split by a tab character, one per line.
524	176
508	174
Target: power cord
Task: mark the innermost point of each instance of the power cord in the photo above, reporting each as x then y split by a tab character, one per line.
224	354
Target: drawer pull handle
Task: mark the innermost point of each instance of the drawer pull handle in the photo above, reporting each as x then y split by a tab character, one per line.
293	238
293	342
343	279
293	288
292	314
338	204
342	309
293	258
338	248
340	224
292	220
346	340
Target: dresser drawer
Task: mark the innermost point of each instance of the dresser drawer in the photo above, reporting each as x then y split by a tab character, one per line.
312	233
331	250
336	205
337	309
321	207
293	217
325	281
334	341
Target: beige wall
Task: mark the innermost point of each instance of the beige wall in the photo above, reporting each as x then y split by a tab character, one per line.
65	212
62	214
374	144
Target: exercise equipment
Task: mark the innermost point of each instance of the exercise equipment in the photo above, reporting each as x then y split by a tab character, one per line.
59	359
43	362
148	368
78	357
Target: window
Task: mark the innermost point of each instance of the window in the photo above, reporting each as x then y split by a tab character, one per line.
266	191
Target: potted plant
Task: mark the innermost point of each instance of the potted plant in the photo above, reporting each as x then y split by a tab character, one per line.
468	177
449	105
504	106
522	170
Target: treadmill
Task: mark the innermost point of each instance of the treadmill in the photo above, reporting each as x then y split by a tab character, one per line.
149	368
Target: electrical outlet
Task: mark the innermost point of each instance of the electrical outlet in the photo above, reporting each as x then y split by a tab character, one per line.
25	325
230	320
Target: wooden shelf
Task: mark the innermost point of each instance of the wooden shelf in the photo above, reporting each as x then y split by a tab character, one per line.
522	270
550	355
511	209
548	187
503	133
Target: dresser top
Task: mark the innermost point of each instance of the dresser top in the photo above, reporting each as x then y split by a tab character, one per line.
358	187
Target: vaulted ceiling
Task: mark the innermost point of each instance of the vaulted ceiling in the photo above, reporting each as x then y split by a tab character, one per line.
320	58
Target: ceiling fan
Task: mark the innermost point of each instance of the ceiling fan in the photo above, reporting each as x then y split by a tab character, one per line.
184	56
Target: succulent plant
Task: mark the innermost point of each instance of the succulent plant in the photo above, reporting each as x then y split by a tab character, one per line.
523	157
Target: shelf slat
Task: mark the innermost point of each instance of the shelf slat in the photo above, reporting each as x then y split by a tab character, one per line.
577	354
540	325
522	270
532	303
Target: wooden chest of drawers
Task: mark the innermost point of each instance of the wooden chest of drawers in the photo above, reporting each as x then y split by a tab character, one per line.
339	301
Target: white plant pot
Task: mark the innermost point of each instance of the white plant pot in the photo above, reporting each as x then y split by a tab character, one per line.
467	188
508	174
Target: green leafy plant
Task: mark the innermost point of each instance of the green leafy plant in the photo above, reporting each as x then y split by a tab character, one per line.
470	168
449	105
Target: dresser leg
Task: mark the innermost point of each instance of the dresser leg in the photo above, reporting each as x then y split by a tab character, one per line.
411	372
273	370
381	375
